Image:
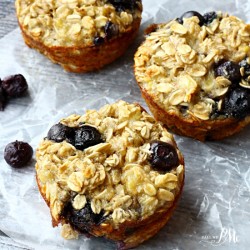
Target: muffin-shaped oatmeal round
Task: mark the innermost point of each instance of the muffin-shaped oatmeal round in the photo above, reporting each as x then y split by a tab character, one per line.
80	35
115	173
194	74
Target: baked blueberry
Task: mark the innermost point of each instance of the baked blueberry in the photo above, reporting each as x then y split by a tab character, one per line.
82	219
3	97
87	136
110	30
244	64
209	17
60	132
15	85
229	70
190	14
122	5
237	103
164	156
17	154
98	40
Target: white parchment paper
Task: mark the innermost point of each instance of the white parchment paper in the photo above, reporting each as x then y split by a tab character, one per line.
214	210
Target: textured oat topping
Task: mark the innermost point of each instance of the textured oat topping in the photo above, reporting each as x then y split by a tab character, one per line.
72	22
115	176
176	64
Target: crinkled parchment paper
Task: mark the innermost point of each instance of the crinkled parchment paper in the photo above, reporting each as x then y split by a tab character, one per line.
214	211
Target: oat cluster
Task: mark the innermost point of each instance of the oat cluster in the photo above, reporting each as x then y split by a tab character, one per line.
114	176
71	22
175	64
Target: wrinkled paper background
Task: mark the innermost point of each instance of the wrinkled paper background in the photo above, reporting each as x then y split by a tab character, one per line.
214	211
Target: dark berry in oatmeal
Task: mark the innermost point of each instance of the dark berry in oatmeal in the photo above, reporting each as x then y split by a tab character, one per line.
15	85
244	64
87	136
209	17
110	30
190	14
3	97
17	154
123	5
60	132
229	70
98	40
164	156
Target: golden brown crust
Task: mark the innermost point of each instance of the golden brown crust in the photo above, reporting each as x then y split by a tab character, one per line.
195	128
80	59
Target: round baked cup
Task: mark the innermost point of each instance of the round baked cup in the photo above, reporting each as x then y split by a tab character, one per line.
175	70
135	199
68	34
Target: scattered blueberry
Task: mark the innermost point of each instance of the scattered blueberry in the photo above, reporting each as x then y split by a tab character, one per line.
60	132
229	70
246	67
190	14
87	136
17	154
237	103
209	17
82	219
98	40
110	30
3	97
164	156
15	85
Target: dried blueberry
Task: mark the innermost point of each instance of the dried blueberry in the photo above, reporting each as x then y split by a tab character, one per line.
190	14
244	64
110	30
82	219
17	154
164	156
229	70
87	136
237	103
15	85
98	40
209	17
60	132
123	5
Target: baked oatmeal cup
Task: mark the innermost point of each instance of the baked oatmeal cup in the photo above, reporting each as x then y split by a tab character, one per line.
80	35
114	173
194	74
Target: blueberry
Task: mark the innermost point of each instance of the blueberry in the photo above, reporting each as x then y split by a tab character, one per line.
229	70
209	17
190	14
82	219
110	30
123	5
98	40
237	103
3	97
87	136
60	132
17	154
164	156
244	64
15	85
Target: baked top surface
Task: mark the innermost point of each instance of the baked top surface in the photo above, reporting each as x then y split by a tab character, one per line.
76	22
114	176
177	62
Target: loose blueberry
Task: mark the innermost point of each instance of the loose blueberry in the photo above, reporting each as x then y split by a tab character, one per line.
98	40
123	5
87	136
60	132
110	30
17	154
164	156
209	17
190	14
237	103
82	219
229	70
246	67
3	97
15	85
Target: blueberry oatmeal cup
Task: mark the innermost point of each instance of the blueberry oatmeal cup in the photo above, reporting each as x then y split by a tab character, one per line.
114	173
194	74
80	35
